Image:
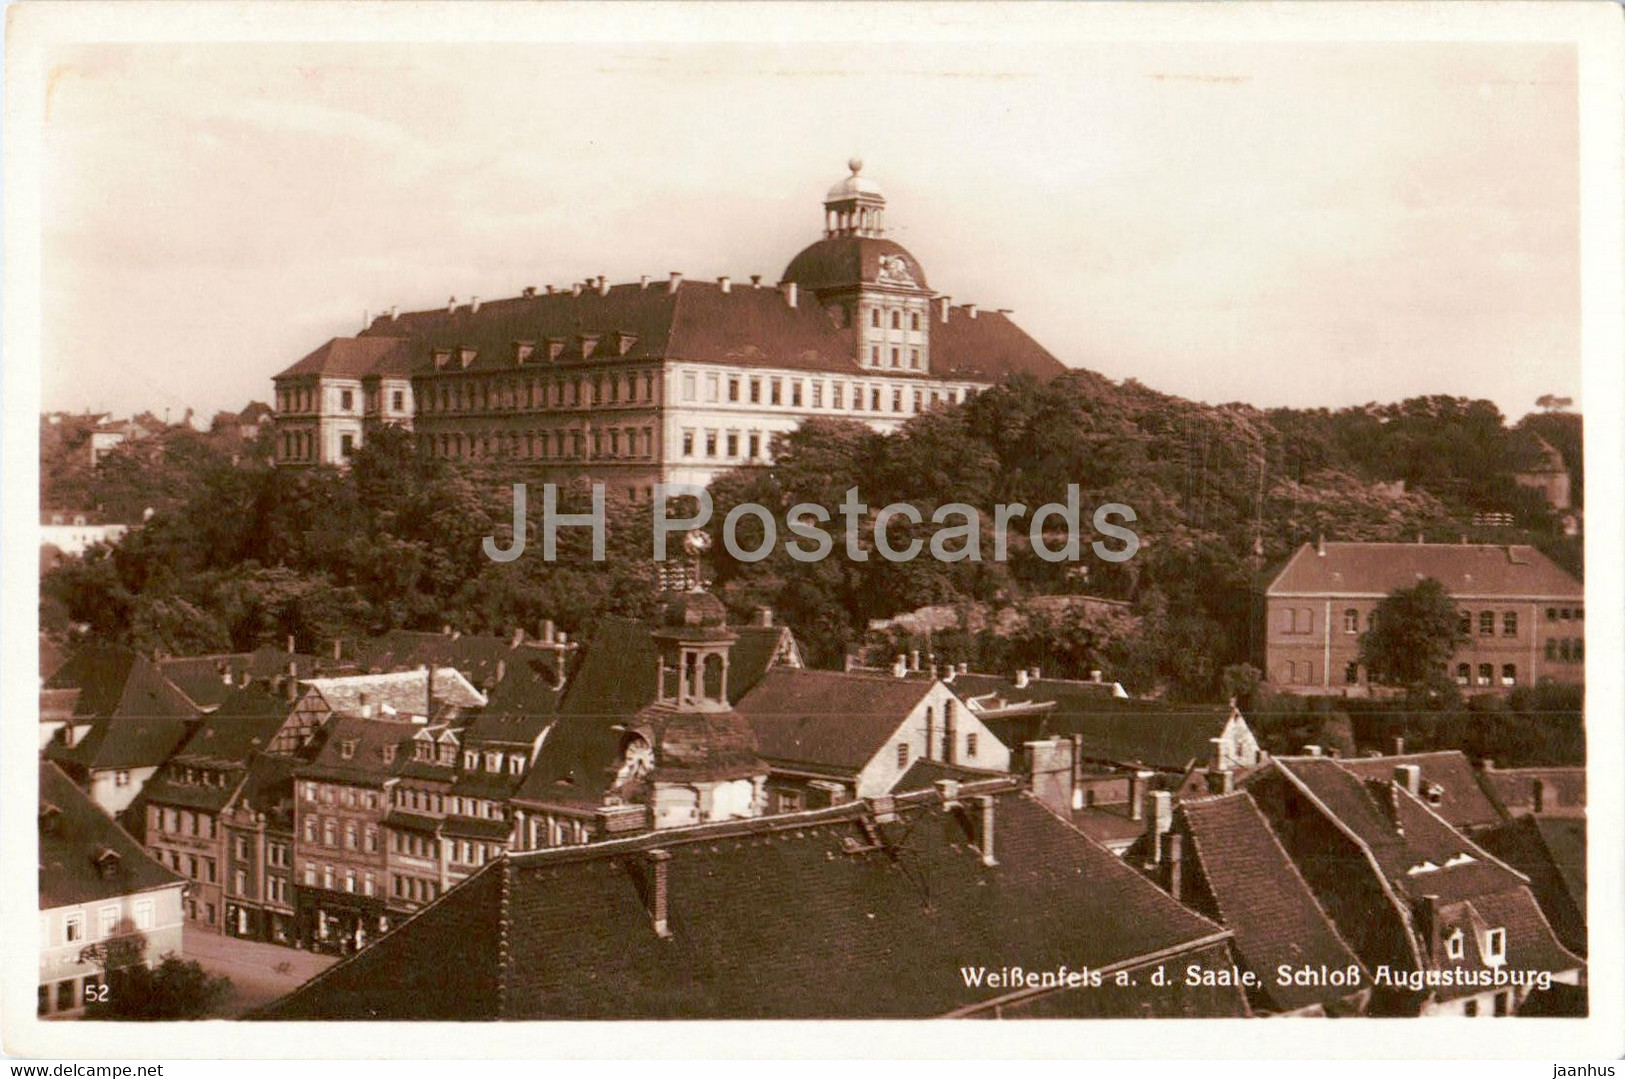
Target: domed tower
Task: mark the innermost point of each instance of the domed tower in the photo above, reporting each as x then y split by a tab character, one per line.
866	281
705	766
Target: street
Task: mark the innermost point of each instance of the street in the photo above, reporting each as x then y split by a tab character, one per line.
259	972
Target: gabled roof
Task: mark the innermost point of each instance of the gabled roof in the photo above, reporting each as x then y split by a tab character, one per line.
1551	852
479	657
355	357
359	751
521	706
833	719
1448	774
1418	852
74	833
1260	895
924	774
242	726
1468	571
825	914
118	744
745	326
203	678
115	681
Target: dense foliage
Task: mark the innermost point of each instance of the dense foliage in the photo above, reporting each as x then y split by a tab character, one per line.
237	553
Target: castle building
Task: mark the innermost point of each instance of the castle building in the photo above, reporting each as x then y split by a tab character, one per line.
661	381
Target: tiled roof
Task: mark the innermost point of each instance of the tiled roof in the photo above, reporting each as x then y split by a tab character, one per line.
1262	898
115	681
1448	774
924	773
1551	852
752	327
355	357
1404	836
824	914
521	706
1122	730
73	833
846	261
355	750
242	726
57	705
1109	823
115	744
202	678
1468	571
479	657
404	691
831	718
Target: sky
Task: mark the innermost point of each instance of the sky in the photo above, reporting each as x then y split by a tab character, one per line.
1302	224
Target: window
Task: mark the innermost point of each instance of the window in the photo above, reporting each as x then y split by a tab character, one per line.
1565	613
397	401
691	390
1551	649
372	840
837	395
351	834
369	884
712	382
818	395
1351	674
896	400
795	394
1509	624
688	443
775	392
896	360
1509	674
914	358
710	443
733	443
106	922
1486	623
349	880
896	320
755	444
346	400
733	389
73	928
1464	673
191	866
1495	946
902	755
310	829
239	882
143	914
914	321
970	744
330	833
874	399
346	445
121	778
327	877
1486	672
874	318
1351	621
755	391
310	875
1466	623
241	846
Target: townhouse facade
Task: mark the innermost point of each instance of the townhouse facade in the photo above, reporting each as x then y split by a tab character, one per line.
661	381
1523	614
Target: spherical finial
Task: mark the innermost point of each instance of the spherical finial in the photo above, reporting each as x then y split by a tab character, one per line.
856	165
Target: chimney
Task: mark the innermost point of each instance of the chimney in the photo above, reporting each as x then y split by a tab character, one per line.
964	667
1311	751
473	304
1036	673
290	644
1138	785
1420	539
949	789
1409	776
944	303
518	637
528	291
725	284
1176	866
1427	922
366	707
948	674
1216	754
1159	817
1399	745
1021	678
1094	676
899	666
603	285
338	649
764	617
850	662
428	689
674	282
1320	545
451	304
502	669
291	685
970	309
658	862
547	631
643	281
985	803
914	660
575	289
789	290
551	290
394	312
755	280
225	675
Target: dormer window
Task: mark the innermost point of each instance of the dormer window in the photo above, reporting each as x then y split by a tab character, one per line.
465	356
389	754
347	749
442	356
471	761
1495	947
589	341
493	762
522	351
555	348
1455	945
624	342
107	863
422	751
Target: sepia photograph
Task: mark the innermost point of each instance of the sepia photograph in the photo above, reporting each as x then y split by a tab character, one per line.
813	513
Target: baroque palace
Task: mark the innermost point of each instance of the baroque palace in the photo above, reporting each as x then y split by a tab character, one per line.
667	380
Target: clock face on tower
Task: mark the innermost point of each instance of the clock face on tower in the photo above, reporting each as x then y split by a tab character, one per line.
895	268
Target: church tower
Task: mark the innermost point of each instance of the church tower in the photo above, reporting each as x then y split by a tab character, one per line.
867	282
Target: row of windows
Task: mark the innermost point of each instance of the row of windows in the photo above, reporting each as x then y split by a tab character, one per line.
1566	650
1565	614
455	804
1486	674
180	822
1302	620
196	912
416	889
107	922
355	836
557	832
347	880
811	393
349	796
896	317
193	866
896	354
624	443
509	395
754	444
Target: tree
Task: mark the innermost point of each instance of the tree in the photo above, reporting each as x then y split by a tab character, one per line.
175	989
1414	633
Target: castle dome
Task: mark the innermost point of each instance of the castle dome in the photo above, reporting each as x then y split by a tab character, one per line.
848	261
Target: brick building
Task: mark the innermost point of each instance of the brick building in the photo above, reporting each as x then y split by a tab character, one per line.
1524	614
672	380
